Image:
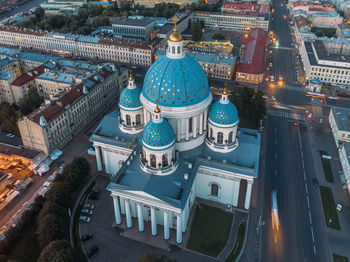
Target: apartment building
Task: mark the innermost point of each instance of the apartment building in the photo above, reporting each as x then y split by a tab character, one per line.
233	22
329	61
214	65
152	3
85	46
60	119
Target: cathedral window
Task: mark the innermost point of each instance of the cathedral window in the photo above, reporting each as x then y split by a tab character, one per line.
173	49
214	190
153	161
230	135
138	120
178	49
128	120
211	133
220	138
165	160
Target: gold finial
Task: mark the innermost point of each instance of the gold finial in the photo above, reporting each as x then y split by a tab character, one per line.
175	36
157	109
131	78
225	91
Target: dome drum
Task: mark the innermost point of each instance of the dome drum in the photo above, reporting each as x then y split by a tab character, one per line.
131	122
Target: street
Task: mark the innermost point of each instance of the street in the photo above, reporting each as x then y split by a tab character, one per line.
22	8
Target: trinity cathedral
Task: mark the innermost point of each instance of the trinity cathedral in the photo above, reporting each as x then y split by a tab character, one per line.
169	144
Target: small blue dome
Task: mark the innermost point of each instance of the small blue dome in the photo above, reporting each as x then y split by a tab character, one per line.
223	114
158	134
176	82
130	98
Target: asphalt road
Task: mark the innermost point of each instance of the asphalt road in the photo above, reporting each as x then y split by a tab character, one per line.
22	8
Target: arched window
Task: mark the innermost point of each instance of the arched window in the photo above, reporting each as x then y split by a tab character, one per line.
165	160
138	120
230	137
190	125
173	49
210	133
178	49
220	138
128	120
153	161
214	190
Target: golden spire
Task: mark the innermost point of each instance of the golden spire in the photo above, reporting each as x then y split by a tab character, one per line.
157	109
131	78
225	92
175	36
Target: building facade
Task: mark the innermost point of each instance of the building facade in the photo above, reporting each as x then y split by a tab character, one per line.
232	22
85	46
60	119
181	148
133	28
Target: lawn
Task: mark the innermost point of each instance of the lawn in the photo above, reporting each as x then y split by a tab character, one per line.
27	249
237	247
210	230
329	208
327	169
337	258
76	233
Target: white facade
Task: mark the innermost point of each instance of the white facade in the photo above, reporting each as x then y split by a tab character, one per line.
231	22
91	47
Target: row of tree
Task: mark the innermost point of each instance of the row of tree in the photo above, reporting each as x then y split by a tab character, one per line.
50	217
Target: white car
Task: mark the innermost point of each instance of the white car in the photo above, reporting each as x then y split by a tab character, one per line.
85	219
89	206
87	211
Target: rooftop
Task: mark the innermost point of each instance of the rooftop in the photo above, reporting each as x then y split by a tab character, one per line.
342	118
9	150
252	60
8	51
58	76
174	189
5	75
134	22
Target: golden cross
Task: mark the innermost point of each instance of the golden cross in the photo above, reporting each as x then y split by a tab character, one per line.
175	19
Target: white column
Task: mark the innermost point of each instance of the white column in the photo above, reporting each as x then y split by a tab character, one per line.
105	153
149	116
144	115
178	127
236	185
178	229
128	214
153	221
166	225
248	194
140	216
194	127
187	128
98	158
118	218
201	124
205	119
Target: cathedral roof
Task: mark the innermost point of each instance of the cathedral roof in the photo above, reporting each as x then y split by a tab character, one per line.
130	98
223	113
158	134
176	82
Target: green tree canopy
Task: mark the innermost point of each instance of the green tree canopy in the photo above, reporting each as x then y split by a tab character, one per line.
39	14
52	208
196	31
50	228
60	251
219	36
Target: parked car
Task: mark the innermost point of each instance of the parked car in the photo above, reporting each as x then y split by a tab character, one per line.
89	206
87	237
85	219
315	181
10	135
93	196
92	251
87	211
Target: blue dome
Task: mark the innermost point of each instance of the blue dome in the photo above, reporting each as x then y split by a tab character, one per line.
223	114
130	98
176	82
158	134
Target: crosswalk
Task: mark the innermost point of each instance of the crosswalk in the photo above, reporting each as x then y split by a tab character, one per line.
287	115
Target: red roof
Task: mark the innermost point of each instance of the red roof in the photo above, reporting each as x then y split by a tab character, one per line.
253	57
27	77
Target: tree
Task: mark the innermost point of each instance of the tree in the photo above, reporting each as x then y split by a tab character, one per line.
218	36
341	13
39	14
54	209
319	33
61	193
101	21
51	228
152	257
60	251
31	102
196	30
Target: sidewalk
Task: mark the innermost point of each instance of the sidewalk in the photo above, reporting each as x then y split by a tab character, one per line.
321	138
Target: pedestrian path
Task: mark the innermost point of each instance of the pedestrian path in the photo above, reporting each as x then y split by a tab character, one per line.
286	114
